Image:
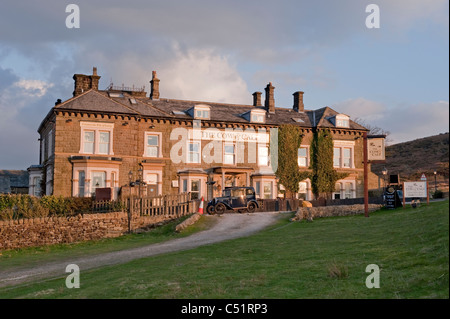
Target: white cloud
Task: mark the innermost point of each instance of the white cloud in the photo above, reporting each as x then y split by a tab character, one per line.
33	88
361	108
405	122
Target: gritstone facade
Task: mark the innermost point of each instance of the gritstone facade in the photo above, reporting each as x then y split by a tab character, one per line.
112	138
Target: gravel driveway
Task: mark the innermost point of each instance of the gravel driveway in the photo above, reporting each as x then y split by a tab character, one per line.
229	226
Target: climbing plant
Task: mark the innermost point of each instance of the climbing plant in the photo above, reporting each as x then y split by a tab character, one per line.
323	176
289	140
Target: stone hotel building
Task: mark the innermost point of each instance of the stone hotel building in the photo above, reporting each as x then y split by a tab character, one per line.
107	138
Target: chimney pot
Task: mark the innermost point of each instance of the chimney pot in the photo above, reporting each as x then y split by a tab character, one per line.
154	83
298	101
257	99
84	83
270	100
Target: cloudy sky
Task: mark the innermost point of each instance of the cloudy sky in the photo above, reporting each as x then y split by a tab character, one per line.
395	77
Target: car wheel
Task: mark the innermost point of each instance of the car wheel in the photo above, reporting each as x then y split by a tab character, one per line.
210	209
251	207
220	208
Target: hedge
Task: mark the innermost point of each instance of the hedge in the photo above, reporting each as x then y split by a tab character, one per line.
26	206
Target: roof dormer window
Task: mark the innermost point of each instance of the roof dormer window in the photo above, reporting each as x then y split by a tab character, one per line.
342	120
255	116
202	112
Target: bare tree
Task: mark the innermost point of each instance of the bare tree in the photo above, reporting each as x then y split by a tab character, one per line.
374	130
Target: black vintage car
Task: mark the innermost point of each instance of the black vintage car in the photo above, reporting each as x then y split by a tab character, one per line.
234	198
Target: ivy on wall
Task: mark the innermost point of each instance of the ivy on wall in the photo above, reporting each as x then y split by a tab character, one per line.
289	140
323	176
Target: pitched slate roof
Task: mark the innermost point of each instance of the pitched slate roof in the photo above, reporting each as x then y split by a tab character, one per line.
102	101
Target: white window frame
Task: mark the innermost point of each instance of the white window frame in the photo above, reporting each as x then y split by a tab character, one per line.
188	159
188	180
257	116
157	134
234	153
342	190
92	186
88	170
265	162
342	120
202	109
341	145
308	193
97	127
263	193
306	156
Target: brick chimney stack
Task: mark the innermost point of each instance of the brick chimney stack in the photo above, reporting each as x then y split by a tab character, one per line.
257	99
298	101
270	100
154	91
84	83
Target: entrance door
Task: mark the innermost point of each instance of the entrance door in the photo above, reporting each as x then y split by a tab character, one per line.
152	185
238	198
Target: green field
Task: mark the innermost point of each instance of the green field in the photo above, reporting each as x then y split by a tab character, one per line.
326	258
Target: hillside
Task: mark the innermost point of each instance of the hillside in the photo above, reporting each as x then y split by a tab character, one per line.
411	159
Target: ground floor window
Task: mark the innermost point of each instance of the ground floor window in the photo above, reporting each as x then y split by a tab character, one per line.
304	190
195	188
267	189
196	185
345	189
81	183
98	180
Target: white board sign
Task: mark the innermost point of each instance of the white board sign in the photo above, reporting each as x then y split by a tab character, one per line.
415	189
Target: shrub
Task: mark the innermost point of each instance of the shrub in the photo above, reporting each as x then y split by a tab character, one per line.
438	194
25	206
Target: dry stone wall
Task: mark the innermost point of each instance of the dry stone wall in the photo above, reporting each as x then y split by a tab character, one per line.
55	230
310	213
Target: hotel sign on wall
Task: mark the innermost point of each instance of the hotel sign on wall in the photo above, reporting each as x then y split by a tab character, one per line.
211	134
376	149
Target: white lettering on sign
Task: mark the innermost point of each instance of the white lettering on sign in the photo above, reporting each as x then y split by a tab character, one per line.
230	135
96	124
415	189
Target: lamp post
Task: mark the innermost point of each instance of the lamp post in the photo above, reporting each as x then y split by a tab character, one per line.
384	171
435	181
140	176
130	178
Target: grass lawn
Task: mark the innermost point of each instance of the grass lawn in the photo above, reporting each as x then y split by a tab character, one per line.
326	258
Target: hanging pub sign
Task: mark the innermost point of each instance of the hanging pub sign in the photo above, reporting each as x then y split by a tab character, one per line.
376	148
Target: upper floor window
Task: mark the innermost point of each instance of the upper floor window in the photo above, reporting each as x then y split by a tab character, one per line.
194	152
343	154
258	116
255	116
342	120
229	154
202	111
263	156
96	138
153	145
302	157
